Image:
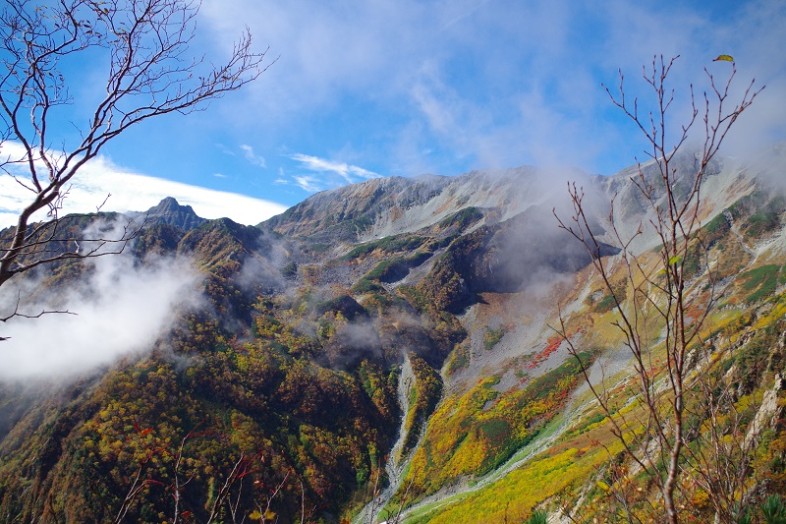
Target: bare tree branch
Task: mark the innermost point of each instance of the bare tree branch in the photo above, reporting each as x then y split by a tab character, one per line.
660	296
150	72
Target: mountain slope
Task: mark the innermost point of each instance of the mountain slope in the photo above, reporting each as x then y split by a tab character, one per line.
410	312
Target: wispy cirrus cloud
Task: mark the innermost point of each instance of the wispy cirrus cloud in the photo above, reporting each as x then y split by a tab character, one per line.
308	183
322	173
346	171
252	156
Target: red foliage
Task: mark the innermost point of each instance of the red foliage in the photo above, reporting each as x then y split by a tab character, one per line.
552	345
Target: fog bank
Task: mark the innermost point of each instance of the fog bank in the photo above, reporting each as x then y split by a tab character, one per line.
120	309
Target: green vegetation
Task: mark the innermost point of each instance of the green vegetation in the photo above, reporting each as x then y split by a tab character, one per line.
458	359
474	433
389	244
766	219
761	281
774	510
389	270
719	224
366	285
413	296
424	395
492	336
447	284
461	220
609	301
759	213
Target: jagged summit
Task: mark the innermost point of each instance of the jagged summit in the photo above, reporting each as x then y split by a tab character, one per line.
169	211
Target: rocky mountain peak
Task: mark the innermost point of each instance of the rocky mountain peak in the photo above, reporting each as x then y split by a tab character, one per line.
169	211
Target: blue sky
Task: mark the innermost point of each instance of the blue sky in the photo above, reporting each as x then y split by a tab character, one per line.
401	87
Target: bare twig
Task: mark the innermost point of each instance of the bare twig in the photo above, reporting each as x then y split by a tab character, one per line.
661	294
150	73
137	485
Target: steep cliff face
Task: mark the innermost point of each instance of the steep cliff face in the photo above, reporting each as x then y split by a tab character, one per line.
282	380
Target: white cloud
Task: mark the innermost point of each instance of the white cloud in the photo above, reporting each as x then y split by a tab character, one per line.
346	171
456	75
122	309
324	173
252	157
323	47
133	192
307	183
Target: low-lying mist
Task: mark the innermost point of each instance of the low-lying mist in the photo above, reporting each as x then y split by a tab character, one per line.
121	308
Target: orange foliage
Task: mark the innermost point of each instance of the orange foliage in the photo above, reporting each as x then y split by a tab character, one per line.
552	345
